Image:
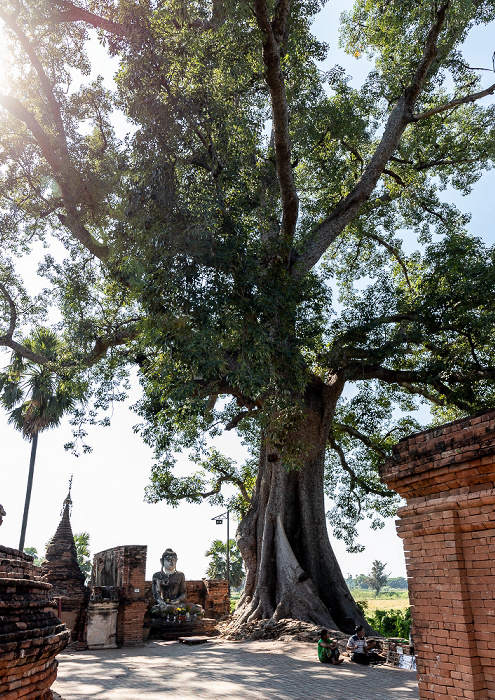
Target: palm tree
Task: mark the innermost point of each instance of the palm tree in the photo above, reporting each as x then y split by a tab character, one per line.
36	398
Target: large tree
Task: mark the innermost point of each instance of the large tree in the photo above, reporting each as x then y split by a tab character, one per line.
206	246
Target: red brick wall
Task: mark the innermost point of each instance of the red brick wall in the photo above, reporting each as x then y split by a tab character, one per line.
125	567
447	477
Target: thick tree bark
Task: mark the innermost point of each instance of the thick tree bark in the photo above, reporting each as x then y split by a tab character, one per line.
291	570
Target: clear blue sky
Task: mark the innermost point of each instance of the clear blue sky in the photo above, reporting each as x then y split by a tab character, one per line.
109	484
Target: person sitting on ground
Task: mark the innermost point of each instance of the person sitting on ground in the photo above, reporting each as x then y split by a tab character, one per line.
360	650
328	650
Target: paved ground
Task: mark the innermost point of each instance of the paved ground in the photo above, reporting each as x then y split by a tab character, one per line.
225	671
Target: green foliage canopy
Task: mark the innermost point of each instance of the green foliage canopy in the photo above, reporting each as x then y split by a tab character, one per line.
246	238
217	568
81	540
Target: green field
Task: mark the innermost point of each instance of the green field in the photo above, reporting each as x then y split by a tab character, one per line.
367	594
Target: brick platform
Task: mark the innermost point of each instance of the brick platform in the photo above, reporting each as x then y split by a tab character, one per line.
30	633
447	477
160	629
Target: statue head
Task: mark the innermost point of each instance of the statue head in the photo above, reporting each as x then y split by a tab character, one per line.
169	560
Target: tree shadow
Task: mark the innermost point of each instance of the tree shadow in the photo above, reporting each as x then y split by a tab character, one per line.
223	671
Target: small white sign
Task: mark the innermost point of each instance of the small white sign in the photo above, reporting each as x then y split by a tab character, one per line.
399	650
137	590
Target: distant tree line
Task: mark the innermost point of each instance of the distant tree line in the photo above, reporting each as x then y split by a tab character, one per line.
363	581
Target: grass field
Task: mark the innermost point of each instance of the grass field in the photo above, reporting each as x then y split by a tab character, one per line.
385	604
396	600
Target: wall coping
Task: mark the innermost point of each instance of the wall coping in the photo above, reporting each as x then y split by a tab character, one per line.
452	456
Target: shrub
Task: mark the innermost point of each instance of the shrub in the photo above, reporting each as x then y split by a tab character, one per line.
391	623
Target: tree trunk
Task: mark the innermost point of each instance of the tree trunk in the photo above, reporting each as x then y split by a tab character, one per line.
291	570
34	445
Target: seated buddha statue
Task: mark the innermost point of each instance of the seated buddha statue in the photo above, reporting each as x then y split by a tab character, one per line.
169	588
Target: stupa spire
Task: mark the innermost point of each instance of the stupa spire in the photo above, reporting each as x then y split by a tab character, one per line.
61	553
62	570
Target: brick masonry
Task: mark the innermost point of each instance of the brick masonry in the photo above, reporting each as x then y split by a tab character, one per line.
212	595
61	569
124	567
447	477
30	633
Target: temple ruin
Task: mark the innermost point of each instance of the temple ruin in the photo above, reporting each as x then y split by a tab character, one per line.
62	571
30	633
447	477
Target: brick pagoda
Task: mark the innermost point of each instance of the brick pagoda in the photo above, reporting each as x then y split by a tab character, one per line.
447	477
62	570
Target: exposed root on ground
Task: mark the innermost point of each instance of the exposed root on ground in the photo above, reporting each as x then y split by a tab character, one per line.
284	630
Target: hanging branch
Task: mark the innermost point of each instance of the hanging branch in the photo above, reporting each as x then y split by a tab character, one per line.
355	479
71	13
353	432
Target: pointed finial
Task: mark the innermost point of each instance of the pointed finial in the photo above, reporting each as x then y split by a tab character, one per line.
68	500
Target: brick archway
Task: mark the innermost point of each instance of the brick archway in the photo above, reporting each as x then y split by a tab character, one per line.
447	477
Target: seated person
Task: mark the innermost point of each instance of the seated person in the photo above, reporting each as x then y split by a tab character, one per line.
328	651
360	650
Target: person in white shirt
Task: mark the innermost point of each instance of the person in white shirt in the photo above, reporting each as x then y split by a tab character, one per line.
359	649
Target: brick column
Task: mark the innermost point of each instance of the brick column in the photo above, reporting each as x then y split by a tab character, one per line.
124	567
447	477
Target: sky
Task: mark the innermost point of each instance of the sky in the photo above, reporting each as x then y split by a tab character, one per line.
108	484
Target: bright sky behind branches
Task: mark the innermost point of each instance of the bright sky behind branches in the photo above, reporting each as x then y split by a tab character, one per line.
108	485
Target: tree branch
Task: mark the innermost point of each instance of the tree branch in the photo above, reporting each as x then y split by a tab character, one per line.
409	379
273	33
455	103
100	347
401	115
237	419
13	313
355	479
393	251
72	13
17	110
72	221
45	82
350	430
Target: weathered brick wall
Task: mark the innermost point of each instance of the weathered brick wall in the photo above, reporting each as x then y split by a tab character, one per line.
212	595
217	604
125	567
447	477
30	633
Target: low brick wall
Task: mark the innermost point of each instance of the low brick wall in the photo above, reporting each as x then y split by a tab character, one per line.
447	477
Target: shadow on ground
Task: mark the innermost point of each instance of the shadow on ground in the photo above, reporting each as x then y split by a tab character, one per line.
225	671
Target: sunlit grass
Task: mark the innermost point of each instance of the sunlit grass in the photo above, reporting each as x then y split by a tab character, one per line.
387	600
386	604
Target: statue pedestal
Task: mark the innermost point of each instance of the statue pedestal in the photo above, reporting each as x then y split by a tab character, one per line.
102	624
162	629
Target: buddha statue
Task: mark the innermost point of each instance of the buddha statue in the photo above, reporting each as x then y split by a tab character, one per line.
169	588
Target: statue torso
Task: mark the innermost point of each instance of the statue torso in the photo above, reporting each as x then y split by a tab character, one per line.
171	585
